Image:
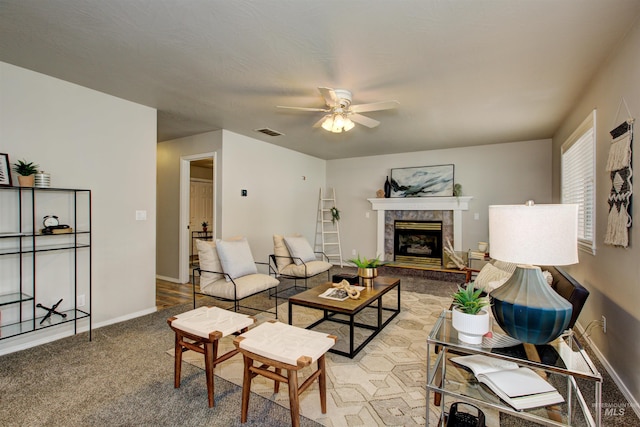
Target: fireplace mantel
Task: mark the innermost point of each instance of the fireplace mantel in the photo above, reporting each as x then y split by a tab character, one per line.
455	204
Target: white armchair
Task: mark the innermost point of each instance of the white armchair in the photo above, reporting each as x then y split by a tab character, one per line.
293	258
228	272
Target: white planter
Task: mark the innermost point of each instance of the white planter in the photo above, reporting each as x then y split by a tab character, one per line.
471	327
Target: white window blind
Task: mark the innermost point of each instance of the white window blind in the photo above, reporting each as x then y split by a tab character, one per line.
578	179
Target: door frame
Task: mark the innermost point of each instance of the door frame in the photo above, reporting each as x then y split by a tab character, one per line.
183	225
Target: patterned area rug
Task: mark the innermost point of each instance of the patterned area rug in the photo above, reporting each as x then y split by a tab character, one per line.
383	385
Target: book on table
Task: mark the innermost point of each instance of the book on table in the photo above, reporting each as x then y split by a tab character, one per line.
518	386
338	294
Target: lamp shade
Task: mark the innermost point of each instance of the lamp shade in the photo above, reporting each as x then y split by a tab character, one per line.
526	307
537	234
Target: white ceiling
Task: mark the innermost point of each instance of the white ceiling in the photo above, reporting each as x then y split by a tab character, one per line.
466	72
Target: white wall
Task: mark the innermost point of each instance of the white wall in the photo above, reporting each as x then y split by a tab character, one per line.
493	174
86	139
612	274
282	187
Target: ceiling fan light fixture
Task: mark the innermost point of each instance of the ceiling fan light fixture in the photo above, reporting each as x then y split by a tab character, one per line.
328	123
348	124
337	123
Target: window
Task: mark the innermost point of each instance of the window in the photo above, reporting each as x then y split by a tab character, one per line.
578	179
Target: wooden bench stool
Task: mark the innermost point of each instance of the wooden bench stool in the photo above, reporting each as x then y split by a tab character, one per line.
199	330
282	346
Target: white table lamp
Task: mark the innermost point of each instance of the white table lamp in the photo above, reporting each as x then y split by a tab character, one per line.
526	307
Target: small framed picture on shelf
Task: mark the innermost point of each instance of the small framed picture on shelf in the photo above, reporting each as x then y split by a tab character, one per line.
5	170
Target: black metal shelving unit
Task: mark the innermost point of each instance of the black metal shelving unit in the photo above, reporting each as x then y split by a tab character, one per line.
21	245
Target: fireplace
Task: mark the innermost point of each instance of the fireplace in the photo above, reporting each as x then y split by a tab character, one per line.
418	242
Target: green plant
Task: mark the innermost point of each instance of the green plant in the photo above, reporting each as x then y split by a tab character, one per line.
205	224
457	190
469	300
367	263
335	214
25	169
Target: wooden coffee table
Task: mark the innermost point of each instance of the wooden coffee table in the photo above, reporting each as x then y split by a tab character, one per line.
333	309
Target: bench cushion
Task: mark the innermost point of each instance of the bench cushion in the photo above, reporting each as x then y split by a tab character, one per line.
286	343
204	320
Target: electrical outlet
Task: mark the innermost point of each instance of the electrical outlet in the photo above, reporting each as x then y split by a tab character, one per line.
81	300
353	252
604	324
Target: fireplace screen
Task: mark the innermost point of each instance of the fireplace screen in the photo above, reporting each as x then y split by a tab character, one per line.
418	242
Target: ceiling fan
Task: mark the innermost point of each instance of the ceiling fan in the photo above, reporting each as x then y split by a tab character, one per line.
341	115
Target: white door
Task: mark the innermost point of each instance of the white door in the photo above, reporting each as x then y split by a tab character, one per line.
200	205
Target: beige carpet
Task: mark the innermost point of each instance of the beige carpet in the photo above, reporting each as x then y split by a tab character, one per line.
383	385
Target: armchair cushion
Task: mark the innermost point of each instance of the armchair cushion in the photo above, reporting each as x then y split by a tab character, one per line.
299	249
282	256
244	286
209	260
312	268
236	258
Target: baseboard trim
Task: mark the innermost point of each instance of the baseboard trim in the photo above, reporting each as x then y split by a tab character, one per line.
126	317
614	376
67	332
168	279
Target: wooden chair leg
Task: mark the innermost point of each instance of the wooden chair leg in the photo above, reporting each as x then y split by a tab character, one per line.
322	384
177	368
276	384
246	388
208	369
294	398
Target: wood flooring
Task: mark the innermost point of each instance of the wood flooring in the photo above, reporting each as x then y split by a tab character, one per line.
169	294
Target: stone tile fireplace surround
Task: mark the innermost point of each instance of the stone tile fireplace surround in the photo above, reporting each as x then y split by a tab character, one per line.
445	209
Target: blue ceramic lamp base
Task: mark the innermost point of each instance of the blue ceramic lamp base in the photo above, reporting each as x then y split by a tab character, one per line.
528	309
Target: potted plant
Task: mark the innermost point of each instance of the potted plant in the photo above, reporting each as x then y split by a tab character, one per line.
26	171
469	316
367	268
205	224
335	214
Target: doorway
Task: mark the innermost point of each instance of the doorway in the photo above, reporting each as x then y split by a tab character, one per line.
197	206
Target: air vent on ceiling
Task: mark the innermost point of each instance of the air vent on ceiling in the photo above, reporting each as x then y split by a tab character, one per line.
269	132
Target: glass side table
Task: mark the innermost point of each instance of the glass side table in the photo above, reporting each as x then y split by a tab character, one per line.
563	363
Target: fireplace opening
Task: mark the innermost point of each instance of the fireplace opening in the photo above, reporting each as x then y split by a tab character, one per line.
418	242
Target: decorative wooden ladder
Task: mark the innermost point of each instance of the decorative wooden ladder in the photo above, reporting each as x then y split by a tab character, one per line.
328	229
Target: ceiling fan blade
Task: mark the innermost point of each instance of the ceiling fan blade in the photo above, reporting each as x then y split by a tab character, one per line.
374	106
329	96
304	108
364	120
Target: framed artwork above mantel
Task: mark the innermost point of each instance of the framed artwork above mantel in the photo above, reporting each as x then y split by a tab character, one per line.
422	181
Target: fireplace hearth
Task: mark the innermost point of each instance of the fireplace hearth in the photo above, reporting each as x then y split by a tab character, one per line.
418	242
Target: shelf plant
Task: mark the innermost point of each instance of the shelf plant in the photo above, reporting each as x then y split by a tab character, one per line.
26	171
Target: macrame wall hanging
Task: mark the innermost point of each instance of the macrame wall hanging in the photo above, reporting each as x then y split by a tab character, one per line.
619	168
